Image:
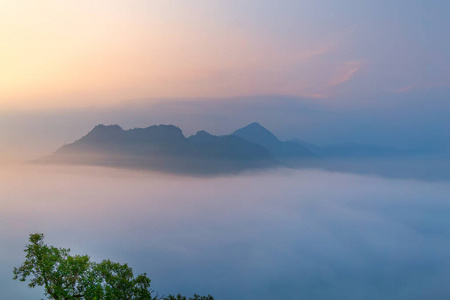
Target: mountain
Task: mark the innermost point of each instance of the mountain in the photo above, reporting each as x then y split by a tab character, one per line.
257	134
296	148
227	147
310	146
164	148
113	140
348	150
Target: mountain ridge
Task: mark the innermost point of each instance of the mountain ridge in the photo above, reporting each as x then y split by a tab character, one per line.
164	148
258	134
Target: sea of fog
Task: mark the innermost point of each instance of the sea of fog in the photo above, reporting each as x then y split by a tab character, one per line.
285	234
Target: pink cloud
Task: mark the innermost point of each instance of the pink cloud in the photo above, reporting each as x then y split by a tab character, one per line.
347	72
404	89
317	96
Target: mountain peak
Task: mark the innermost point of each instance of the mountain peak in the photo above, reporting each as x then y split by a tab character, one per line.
202	133
156	133
203	137
104	132
256	133
112	127
255	126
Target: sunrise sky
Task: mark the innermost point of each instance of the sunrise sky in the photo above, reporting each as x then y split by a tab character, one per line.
374	72
351	201
76	53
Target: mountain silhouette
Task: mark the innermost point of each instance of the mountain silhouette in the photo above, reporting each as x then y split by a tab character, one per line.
257	134
113	140
164	148
356	150
349	150
227	146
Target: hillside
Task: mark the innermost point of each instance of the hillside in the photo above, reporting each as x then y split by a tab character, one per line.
163	148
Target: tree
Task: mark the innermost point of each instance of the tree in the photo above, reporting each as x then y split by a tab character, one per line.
196	297
66	277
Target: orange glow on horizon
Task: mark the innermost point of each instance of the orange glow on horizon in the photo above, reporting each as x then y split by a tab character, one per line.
78	53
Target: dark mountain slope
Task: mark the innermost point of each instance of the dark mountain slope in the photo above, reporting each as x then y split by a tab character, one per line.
257	134
113	140
163	148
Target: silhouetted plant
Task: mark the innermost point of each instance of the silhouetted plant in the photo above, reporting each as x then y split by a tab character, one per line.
69	277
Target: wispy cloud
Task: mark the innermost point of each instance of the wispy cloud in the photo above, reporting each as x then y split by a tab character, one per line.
404	89
424	86
346	73
317	95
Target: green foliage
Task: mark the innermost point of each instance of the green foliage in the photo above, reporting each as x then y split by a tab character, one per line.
69	277
63	276
196	297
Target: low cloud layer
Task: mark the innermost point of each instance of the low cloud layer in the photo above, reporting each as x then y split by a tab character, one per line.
286	234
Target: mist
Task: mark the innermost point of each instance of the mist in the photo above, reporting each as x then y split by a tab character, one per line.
416	121
283	234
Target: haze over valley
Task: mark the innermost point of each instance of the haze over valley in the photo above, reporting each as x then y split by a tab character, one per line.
281	233
247	150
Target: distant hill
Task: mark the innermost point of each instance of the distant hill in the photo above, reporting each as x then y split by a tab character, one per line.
299	149
348	150
257	134
227	147
164	148
354	149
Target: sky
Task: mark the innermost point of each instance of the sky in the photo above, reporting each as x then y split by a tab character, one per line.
380	68
78	53
323	71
